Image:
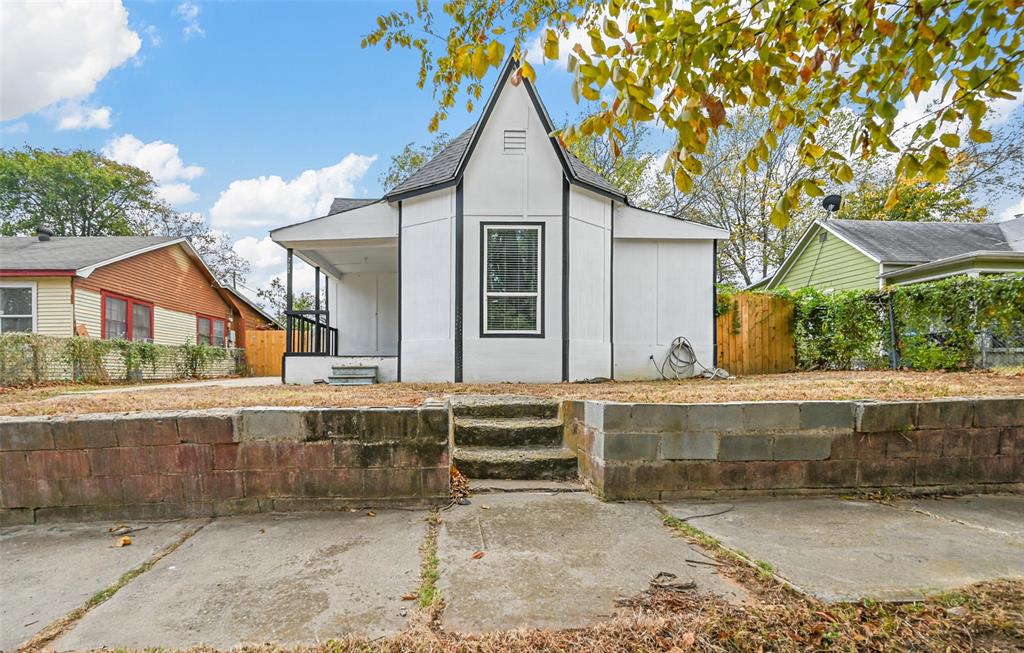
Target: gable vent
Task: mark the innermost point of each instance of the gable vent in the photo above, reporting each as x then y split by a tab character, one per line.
515	141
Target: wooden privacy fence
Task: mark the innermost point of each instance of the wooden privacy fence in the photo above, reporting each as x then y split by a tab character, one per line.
755	336
263	352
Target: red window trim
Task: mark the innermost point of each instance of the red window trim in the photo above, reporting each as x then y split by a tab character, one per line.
128	317
212	318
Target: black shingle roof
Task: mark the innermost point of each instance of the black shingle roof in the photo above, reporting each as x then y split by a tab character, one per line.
70	253
441	169
342	204
919	242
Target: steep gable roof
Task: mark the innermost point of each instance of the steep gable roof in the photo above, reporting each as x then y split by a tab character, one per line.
74	253
447	168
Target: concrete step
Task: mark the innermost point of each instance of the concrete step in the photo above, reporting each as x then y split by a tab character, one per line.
344	380
354	371
504	406
507	431
547	463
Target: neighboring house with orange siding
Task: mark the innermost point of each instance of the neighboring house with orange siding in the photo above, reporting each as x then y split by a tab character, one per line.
150	288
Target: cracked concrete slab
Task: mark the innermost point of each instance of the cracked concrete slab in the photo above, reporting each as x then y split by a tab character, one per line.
555	561
48	571
841	550
1001	513
288	579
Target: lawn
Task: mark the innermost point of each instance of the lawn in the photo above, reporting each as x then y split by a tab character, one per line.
62	400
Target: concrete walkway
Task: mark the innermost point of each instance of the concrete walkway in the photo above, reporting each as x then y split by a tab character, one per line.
549	559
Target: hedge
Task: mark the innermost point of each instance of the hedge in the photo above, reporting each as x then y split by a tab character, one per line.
927	326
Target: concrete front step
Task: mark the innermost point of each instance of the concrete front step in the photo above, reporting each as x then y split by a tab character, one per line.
504	406
352	375
507	431
547	463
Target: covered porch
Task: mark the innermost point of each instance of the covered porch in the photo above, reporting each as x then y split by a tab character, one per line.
352	325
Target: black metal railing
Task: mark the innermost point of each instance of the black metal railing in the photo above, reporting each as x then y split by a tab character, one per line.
309	332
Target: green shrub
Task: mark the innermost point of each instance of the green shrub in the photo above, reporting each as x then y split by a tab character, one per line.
195	360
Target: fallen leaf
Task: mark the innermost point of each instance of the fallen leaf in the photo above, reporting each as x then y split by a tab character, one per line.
115	527
124	541
370	513
485	507
412	596
477	555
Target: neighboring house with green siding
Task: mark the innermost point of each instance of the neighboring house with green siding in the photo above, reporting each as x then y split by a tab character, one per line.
867	254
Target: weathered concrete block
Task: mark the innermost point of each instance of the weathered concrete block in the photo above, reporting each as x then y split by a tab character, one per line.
714	417
800	446
13	466
206	427
52	465
945	414
23	434
997	469
432	423
985	442
745	447
659	418
84	432
1007	411
145	430
1011	441
689	446
771	415
593	414
858	446
901	445
717	475
271	424
631	446
618	418
883	473
652	479
943	471
776	475
17	517
890	416
841	415
831	473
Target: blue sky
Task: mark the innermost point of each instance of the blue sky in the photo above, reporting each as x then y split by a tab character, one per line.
245	91
251	113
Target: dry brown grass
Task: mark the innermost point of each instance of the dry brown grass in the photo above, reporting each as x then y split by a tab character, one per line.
54	400
985	617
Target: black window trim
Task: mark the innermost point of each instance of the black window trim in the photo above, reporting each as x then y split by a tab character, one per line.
541	290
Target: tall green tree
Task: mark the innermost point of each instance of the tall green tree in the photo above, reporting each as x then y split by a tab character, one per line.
632	167
410	159
692	66
77	193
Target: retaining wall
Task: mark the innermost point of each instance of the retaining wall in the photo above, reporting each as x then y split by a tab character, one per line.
662	451
160	465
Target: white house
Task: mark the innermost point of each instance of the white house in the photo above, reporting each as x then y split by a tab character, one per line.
504	258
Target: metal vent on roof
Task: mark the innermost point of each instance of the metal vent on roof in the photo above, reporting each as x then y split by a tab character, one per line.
515	141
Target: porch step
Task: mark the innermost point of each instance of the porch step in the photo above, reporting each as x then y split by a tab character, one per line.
547	463
354	375
500	406
508	431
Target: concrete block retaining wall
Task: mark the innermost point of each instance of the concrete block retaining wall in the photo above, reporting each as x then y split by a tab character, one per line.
634	451
160	465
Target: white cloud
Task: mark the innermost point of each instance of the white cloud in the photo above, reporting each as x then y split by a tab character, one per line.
59	50
75	114
261	253
1012	211
189	14
273	201
159	159
15	128
152	35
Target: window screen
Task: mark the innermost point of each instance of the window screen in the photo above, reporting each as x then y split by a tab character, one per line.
203	330
142	322
512	279
116	318
16	309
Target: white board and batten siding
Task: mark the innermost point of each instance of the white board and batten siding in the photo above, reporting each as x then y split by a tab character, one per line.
517	185
590	238
367	322
428	287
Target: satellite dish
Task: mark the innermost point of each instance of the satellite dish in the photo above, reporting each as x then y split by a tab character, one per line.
831	203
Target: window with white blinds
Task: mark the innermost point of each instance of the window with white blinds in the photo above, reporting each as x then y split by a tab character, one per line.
512	279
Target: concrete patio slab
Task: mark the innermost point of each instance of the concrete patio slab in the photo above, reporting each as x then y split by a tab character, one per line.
841	550
1002	513
48	571
555	561
287	579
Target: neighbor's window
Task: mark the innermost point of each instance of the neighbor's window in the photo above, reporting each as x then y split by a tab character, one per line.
210	330
512	279
17	308
125	318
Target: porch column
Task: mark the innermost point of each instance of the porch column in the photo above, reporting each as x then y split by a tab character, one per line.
288	306
316	307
